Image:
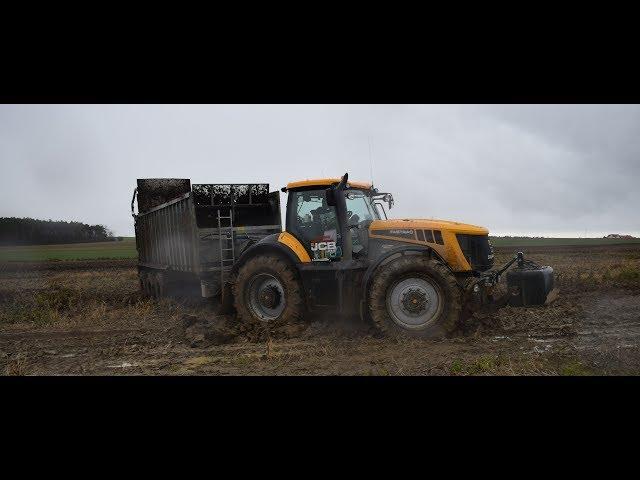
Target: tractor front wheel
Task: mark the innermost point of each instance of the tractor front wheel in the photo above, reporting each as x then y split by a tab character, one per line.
416	297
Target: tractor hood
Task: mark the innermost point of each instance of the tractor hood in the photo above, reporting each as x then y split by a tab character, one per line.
428	224
443	236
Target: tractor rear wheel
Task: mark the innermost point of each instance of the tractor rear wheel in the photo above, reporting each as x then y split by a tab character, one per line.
415	297
266	290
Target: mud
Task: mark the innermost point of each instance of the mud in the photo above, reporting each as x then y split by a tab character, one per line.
593	328
58	265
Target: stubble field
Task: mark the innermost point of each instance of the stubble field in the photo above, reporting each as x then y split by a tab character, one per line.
87	317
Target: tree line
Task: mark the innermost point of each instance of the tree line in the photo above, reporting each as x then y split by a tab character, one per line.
29	231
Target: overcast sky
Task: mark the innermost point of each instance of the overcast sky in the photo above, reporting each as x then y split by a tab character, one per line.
550	170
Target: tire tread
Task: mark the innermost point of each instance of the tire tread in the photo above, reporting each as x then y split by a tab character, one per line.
294	308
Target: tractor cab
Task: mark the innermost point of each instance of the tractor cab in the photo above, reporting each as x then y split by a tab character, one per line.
330	217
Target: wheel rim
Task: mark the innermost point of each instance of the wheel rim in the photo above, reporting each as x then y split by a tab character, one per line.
414	302
266	297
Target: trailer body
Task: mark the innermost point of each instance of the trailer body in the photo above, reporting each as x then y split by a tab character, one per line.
197	232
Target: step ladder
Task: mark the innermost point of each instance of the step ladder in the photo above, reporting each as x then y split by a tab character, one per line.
226	244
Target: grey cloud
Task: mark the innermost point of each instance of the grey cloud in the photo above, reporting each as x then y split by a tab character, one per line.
532	169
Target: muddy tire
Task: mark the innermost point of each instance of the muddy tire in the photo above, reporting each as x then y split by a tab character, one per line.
161	285
143	284
146	284
267	291
415	297
153	286
226	306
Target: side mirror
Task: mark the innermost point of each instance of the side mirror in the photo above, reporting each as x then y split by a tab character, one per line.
388	198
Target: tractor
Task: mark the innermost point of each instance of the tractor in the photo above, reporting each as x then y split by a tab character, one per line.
338	254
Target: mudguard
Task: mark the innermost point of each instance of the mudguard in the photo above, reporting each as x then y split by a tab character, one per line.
294	244
268	244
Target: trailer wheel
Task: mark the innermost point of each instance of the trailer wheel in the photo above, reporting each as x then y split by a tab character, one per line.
160	285
415	297
267	290
153	286
146	285
143	285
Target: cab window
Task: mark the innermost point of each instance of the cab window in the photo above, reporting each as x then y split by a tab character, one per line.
360	213
315	224
360	209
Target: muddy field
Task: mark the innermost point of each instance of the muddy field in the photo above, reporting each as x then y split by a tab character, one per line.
87	318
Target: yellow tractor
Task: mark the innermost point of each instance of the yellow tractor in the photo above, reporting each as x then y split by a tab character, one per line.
340	254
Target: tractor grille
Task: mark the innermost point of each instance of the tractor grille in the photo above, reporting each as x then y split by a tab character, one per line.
477	250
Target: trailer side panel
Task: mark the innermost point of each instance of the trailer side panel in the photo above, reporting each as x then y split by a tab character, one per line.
167	236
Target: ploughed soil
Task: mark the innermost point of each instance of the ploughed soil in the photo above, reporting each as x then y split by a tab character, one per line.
88	318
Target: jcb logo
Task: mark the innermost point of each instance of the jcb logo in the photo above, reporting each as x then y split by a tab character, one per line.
329	246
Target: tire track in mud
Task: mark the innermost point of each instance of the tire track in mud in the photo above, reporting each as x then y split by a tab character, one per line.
603	319
601	330
162	351
62	334
67	265
170	358
611	320
142	349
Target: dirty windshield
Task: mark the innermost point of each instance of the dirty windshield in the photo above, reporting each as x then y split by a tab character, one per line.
360	209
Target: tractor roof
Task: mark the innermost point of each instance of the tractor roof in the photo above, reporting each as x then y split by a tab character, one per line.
325	182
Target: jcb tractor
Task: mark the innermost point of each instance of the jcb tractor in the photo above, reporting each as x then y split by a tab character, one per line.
338	253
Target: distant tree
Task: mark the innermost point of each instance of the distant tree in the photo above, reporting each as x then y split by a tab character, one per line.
29	231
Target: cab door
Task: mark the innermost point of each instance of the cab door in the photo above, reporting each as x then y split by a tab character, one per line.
360	214
314	224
